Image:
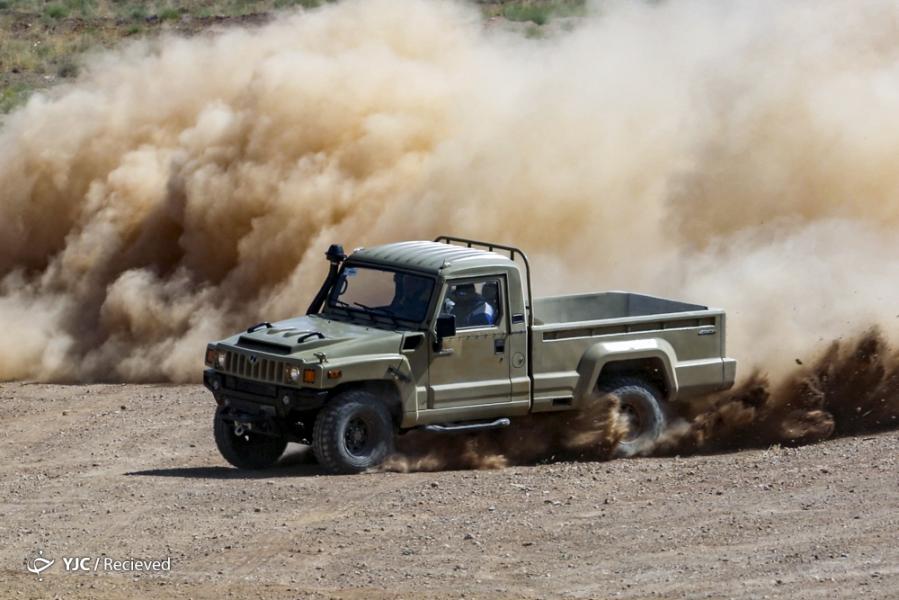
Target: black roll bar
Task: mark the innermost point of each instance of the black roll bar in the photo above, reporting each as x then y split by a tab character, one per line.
513	252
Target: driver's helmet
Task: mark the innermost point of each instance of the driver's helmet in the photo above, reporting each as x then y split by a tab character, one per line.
465	293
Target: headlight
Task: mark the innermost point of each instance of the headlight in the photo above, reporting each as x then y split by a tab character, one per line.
220	359
293	374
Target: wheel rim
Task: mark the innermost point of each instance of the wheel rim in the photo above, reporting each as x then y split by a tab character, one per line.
356	437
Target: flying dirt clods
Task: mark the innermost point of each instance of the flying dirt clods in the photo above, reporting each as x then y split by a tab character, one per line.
587	434
852	388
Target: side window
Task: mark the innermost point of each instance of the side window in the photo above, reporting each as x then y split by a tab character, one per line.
474	303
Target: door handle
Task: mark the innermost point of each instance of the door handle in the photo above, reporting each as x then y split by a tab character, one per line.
499	346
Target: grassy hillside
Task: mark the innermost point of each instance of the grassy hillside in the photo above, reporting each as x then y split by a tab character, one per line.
41	41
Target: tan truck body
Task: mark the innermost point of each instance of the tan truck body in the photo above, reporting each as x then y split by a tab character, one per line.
527	356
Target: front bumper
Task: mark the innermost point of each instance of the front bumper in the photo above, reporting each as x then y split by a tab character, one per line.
260	397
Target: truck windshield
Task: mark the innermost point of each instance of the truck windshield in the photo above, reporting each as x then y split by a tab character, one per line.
390	295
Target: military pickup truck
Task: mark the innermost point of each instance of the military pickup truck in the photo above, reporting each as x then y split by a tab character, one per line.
446	336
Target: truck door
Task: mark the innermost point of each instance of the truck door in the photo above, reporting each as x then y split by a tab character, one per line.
470	376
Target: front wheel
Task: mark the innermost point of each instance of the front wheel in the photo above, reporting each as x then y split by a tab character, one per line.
247	450
353	432
641	409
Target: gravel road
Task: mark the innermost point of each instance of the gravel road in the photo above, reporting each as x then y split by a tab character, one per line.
131	471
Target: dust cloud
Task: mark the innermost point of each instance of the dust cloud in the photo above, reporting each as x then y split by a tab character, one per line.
737	154
852	387
587	434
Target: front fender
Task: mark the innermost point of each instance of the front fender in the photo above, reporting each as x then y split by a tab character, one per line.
599	355
377	367
392	368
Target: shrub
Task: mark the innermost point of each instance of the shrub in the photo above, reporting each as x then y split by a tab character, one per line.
540	13
56	11
138	12
170	14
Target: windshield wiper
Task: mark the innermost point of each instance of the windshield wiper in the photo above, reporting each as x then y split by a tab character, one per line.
380	310
350	311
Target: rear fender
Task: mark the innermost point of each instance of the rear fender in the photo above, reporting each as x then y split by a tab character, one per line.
605	353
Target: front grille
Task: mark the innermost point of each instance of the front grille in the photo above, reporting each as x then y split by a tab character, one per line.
262	369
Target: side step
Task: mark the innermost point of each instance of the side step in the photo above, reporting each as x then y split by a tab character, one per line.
463	427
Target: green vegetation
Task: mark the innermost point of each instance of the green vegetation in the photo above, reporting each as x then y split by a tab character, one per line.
169	14
12	96
539	12
41	41
56	11
135	9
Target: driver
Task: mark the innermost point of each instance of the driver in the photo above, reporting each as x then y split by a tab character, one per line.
411	297
470	308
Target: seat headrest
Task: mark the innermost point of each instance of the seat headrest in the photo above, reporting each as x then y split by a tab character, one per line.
490	290
464	289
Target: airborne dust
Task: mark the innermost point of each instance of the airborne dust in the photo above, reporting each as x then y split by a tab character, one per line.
739	154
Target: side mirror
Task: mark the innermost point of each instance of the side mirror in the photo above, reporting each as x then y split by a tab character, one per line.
445	326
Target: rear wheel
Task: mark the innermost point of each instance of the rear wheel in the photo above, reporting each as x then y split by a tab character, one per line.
641	409
353	432
247	450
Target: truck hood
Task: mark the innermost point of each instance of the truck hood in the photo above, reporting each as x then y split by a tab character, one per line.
302	338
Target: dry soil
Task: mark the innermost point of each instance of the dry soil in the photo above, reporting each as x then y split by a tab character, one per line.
131	471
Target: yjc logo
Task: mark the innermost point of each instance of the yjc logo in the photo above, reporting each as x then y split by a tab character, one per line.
76	563
38	564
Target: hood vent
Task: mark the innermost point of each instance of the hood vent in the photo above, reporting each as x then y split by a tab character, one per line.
273	348
251	344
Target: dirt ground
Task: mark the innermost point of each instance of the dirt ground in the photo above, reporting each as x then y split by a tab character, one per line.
131	471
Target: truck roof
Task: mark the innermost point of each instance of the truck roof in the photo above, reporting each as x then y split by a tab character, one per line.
433	257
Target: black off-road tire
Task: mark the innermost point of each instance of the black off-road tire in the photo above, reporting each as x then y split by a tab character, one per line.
250	451
353	432
641	402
